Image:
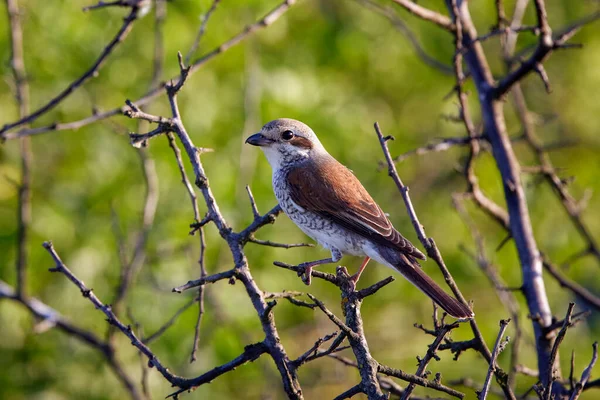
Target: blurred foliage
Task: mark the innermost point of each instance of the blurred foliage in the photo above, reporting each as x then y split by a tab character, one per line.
337	66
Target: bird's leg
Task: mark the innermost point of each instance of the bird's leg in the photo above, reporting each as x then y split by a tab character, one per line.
308	266
354	278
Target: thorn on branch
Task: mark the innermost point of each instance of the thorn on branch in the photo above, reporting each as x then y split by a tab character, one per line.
196	226
252	203
586	374
345	328
541	71
300	270
567	322
374	288
267	312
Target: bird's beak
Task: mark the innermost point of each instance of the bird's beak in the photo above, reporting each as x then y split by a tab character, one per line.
258	139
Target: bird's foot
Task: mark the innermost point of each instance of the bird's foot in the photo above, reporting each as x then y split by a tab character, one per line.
354	278
305	272
342	272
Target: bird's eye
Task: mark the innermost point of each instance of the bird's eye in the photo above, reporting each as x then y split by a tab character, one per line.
287	135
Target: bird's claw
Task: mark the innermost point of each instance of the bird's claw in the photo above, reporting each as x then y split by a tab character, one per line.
342	272
305	272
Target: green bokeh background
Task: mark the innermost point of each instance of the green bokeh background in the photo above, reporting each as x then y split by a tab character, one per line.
337	66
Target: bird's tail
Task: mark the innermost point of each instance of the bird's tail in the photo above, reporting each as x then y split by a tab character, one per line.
411	270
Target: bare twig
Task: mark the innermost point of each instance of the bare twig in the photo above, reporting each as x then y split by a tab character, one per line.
150	338
436	146
520	224
204	280
251	352
354	390
551	377
201	30
236	241
52	318
22	98
498	347
264	22
280	245
419	381
431	353
184	178
586	374
397	22
506	297
544	48
577	289
426	14
90	73
139	253
201	293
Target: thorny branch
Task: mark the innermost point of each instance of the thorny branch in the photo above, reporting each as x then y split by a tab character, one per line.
152	94
498	347
434	253
90	73
516	220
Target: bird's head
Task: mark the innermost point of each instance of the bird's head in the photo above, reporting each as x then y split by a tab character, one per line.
287	141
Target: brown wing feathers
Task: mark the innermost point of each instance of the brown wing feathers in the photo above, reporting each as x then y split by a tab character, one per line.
316	187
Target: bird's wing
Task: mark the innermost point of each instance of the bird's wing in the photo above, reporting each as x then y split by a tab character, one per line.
329	189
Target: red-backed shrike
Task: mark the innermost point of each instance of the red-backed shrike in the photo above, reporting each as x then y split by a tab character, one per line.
330	205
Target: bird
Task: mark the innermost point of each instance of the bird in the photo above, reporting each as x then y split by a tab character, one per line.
329	204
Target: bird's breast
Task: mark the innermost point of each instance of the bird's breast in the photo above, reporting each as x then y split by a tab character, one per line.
326	232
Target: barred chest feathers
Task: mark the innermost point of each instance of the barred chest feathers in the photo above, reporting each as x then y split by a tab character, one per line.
324	231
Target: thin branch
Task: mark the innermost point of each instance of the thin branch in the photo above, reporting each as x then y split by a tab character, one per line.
17	64
494	124
313	351
201	293
507	298
251	352
354	390
264	22
428	243
551	377
399	24
545	47
139	253
419	381
498	347
52	318
204	280
431	353
201	30
340	324
571	206
437	146
586	374
90	73
280	245
371	290
577	289
150	338
235	241
314	273
106	4
335	347
426	14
